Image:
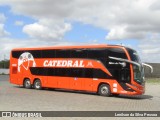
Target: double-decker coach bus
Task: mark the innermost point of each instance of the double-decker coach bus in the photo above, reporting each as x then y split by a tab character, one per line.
104	69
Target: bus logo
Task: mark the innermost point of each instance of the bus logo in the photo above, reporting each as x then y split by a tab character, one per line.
63	63
26	60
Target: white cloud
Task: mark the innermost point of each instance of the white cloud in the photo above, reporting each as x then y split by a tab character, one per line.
49	31
41	8
3	32
120	32
9	44
149	49
49	15
123	19
2	18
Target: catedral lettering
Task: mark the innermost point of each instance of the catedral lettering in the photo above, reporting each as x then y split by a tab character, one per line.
103	69
63	63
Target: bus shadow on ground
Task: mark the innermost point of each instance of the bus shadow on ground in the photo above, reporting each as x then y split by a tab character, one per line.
71	91
136	97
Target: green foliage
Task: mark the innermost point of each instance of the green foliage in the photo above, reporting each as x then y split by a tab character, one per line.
4	64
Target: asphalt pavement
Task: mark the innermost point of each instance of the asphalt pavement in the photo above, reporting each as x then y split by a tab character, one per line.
17	98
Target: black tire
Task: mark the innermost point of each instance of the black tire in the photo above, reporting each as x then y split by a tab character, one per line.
37	84
104	90
27	83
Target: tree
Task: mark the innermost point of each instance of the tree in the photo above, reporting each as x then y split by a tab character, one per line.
4	64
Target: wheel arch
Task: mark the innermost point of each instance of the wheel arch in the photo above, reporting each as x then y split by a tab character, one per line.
101	84
25	83
36	79
34	83
104	89
26	79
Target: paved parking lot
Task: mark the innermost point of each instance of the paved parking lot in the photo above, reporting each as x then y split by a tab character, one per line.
15	98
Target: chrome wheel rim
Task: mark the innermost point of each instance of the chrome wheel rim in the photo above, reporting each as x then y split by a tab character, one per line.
37	85
104	90
27	84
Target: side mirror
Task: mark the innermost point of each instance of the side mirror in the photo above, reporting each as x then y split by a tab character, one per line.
144	64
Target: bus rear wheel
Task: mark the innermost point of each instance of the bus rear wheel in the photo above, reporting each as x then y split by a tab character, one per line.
27	83
37	84
104	90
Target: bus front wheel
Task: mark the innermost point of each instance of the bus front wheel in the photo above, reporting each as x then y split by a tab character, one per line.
37	84
27	83
104	90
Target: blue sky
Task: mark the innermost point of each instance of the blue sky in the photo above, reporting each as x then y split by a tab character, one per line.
46	22
14	30
80	32
86	33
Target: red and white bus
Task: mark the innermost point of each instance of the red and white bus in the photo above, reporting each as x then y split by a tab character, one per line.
104	69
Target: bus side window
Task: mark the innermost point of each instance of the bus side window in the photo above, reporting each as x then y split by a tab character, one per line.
76	72
78	53
89	73
97	53
62	53
98	73
48	53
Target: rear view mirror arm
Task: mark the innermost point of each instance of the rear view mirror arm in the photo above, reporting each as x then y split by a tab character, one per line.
144	64
125	60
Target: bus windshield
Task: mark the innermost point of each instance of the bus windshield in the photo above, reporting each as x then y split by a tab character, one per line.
138	71
134	56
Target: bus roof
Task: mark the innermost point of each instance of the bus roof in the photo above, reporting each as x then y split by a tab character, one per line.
70	47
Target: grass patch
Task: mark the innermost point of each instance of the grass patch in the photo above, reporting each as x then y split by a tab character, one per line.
153	80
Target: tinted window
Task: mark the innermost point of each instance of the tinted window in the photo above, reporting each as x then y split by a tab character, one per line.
99	73
16	54
48	54
35	53
63	53
97	53
134	55
89	73
69	72
116	52
78	53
